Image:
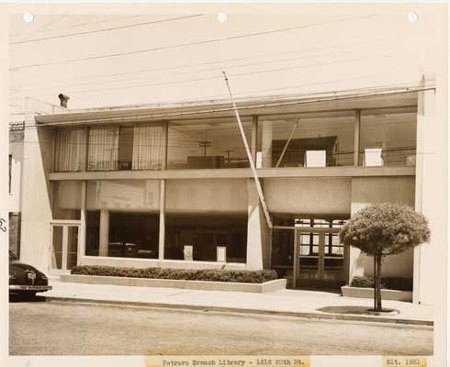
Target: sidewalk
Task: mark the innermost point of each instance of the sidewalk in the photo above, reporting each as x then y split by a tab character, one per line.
284	302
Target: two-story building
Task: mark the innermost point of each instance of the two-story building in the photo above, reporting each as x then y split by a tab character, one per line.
171	186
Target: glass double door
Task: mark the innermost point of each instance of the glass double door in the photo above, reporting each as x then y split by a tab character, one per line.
319	258
64	247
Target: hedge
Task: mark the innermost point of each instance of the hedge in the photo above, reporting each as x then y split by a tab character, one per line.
244	276
397	283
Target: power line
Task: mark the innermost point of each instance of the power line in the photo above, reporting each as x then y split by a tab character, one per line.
220	62
192	80
18	35
160	48
107	29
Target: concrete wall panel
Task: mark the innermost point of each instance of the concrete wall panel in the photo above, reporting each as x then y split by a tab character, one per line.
208	195
369	190
123	195
308	195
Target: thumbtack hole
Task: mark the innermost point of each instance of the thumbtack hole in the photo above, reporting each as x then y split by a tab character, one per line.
28	17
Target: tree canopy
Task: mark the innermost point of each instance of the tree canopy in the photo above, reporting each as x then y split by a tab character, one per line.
385	229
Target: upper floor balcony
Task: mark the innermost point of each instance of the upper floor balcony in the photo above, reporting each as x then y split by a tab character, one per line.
373	135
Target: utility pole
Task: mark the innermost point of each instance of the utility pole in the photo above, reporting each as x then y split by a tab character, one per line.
249	156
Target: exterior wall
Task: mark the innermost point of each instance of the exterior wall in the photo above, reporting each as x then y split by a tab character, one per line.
36	198
129	195
208	195
312	195
376	190
431	191
16	145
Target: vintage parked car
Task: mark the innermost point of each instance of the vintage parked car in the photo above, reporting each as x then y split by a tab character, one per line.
25	279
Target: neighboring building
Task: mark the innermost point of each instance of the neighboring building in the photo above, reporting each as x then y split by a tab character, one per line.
15	165
171	186
15	161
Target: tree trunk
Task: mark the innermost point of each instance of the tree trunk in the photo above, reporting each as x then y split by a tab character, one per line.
377	278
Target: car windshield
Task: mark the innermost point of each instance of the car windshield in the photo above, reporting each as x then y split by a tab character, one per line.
12	255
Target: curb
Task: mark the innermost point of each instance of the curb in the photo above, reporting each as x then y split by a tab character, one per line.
308	315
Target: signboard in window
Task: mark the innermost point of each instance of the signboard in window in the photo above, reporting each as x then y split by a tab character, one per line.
188	252
221	254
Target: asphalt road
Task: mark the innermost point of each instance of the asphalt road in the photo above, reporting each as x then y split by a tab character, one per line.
66	328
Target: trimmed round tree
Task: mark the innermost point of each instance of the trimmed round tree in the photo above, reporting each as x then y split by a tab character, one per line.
384	229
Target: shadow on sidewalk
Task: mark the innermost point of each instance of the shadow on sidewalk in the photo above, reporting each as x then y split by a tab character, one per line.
356	310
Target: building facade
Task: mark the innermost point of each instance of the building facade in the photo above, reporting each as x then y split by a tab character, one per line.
171	186
15	161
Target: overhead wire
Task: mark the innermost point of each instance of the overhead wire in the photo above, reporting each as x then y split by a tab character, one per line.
18	35
201	79
221	63
107	29
195	43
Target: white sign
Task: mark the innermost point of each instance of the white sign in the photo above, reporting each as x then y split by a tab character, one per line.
372	157
188	253
258	163
316	158
221	254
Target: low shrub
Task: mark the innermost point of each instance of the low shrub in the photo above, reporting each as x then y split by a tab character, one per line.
239	276
395	283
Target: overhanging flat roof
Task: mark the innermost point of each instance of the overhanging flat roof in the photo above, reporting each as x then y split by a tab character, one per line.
329	103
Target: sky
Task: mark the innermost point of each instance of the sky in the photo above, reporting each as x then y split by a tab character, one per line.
172	54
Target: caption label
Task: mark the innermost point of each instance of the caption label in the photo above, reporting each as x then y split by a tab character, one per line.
227	361
404	361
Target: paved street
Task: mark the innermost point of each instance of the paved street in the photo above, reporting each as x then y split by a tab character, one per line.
66	328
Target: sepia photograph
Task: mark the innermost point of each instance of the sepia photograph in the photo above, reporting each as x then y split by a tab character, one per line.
211	184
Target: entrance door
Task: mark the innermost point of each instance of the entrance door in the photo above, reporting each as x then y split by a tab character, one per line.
64	249
319	258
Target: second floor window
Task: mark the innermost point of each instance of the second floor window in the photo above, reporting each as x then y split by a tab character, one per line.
70	149
109	148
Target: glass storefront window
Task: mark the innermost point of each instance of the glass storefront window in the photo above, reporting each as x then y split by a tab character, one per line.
92	232
197	237
130	235
133	235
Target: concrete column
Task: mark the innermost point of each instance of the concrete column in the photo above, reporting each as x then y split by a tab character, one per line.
357	129
257	237
162	218
266	143
254	137
166	144
82	234
431	196
104	233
